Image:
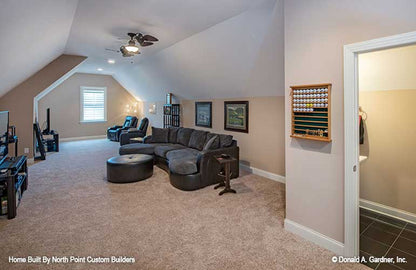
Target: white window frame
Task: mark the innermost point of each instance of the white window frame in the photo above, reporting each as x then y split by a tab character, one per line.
82	89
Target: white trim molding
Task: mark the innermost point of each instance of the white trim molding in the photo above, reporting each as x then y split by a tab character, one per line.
388	211
315	237
52	87
351	150
83	138
263	173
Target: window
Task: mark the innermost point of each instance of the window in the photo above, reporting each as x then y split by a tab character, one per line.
93	104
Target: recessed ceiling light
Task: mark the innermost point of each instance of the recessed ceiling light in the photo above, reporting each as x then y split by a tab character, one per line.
100	69
111	61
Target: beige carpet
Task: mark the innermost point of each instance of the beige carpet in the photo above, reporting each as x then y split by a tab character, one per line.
70	209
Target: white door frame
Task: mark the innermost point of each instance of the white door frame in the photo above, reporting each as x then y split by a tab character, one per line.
351	126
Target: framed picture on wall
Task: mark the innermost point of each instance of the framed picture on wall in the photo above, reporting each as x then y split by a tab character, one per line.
236	116
203	114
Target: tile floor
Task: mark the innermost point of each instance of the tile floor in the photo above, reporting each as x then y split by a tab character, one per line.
389	237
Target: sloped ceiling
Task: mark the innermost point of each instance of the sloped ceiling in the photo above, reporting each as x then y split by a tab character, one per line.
215	63
32	34
206	48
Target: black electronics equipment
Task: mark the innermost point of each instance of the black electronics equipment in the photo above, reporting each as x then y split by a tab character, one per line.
4	135
47	130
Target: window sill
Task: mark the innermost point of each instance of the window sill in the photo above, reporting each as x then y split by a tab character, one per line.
93	122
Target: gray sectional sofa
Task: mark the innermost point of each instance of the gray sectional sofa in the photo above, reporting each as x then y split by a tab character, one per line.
187	155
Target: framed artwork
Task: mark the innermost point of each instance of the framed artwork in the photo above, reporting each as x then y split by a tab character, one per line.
236	116
203	114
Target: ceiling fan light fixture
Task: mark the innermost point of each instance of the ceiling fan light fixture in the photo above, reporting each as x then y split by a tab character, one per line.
132	48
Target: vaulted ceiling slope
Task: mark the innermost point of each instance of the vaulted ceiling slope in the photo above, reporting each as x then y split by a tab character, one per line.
206	48
239	57
32	34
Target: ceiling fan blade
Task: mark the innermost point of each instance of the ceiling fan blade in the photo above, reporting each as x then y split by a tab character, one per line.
139	38
111	50
146	43
150	38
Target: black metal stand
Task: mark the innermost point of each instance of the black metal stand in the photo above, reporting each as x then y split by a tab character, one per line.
45	145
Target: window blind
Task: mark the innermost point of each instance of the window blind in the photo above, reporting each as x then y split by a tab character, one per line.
93	105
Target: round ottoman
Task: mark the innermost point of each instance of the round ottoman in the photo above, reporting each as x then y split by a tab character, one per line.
129	168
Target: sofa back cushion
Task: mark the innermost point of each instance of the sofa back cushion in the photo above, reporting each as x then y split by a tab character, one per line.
173	134
184	134
160	135
212	142
197	140
225	140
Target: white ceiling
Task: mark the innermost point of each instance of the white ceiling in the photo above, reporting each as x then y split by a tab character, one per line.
216	63
230	30
99	24
32	34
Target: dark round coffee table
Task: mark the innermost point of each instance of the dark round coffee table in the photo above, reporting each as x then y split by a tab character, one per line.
129	168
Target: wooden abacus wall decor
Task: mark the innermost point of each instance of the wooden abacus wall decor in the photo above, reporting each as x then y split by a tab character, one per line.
311	112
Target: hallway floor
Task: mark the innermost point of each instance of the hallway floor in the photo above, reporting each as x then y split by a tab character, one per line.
381	235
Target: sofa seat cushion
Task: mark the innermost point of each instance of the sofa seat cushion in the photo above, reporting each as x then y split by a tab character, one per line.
183	166
162	150
139	148
182	154
183	161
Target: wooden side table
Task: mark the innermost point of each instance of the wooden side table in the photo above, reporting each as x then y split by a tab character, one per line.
226	162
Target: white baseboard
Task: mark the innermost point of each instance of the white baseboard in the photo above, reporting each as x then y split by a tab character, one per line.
315	237
82	138
388	211
263	173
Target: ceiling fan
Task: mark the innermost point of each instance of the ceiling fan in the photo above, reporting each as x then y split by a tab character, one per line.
131	49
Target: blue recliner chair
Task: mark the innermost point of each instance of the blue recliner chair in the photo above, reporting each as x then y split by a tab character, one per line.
113	133
140	132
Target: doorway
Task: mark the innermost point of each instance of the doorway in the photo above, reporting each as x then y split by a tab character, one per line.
387	94
351	131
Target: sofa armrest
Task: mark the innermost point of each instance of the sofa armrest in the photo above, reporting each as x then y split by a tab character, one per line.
114	127
209	167
124	128
147	139
126	135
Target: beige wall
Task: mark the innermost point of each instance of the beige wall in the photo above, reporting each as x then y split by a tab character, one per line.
64	102
388	69
263	147
315	32
388	175
155	119
19	100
